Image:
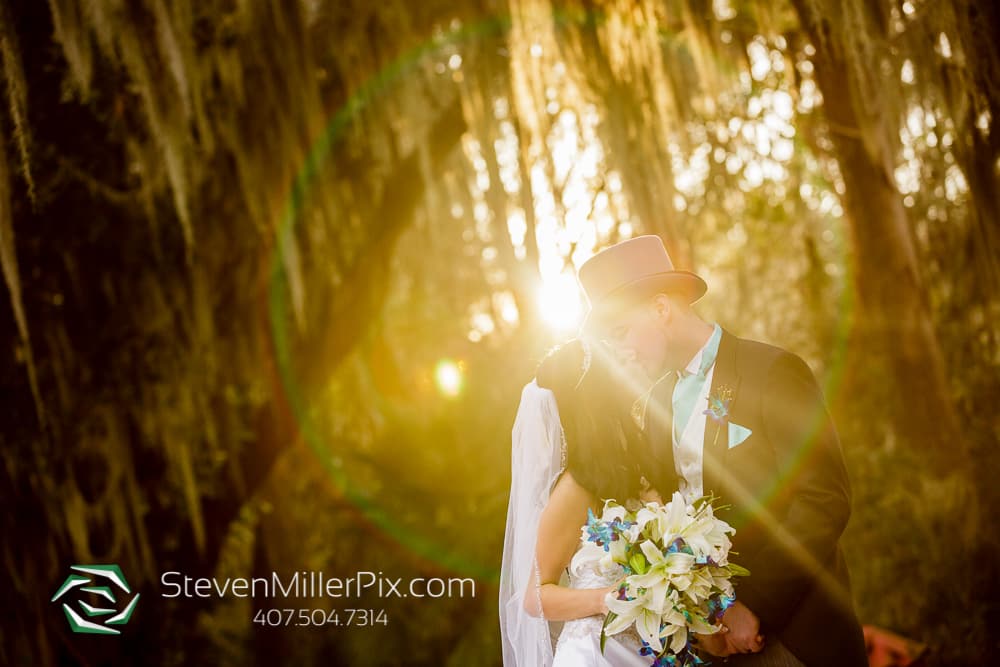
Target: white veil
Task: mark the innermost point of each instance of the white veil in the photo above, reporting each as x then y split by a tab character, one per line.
538	456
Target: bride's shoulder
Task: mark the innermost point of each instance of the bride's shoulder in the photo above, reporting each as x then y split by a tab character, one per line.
568	483
569	491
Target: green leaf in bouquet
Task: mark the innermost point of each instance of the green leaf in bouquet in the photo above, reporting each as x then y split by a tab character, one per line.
738	570
638	563
607	619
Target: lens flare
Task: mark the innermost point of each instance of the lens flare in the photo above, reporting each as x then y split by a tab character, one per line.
558	298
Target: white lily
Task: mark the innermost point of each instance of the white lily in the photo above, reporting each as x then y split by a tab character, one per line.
612	511
648	611
586	559
615	554
665	520
678	635
665	576
700	586
648	514
709	537
627	611
670	563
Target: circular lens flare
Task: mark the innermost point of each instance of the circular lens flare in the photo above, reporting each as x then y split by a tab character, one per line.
448	376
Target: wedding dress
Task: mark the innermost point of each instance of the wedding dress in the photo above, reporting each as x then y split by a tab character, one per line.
538	457
580	640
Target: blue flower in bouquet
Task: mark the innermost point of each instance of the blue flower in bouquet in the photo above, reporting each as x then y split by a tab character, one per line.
680	546
598	531
602	533
718	404
685	658
659	661
717	606
619	526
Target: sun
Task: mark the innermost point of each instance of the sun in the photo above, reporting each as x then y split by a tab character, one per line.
560	303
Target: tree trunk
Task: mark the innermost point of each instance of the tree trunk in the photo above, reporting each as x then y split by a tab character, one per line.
892	324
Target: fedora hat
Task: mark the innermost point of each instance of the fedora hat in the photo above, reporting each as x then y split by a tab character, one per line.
628	271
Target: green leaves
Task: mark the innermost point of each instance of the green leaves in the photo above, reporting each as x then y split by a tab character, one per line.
638	563
737	570
607	619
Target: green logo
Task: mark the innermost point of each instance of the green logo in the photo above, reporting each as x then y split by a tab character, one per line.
90	579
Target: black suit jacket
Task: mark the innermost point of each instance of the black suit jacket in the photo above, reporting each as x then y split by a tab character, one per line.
788	487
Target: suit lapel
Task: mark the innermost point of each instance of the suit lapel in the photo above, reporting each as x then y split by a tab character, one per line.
716	440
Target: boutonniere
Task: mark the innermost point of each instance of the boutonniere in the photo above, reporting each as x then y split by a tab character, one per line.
718	411
718	404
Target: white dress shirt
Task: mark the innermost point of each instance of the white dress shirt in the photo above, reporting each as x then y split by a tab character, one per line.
688	454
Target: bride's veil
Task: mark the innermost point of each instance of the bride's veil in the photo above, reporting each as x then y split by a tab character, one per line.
537	458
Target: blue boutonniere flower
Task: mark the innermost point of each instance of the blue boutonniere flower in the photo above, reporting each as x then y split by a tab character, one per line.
718	411
718	404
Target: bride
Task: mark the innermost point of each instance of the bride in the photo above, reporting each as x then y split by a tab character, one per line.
573	446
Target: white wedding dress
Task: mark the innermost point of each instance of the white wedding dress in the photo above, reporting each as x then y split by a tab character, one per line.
538	457
579	642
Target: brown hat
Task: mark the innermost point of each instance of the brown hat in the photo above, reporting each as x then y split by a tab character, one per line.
630	270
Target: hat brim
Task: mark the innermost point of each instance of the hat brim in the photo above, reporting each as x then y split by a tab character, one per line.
683	283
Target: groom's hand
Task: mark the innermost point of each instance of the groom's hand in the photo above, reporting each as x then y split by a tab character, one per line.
715	644
744	629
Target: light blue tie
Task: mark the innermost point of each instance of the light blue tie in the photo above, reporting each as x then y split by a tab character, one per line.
689	385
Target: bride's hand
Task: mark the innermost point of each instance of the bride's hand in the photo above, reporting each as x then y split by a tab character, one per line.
602	606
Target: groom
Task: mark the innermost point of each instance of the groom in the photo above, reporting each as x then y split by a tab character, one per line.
746	422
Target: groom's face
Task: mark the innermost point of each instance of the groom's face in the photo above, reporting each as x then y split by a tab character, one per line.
640	335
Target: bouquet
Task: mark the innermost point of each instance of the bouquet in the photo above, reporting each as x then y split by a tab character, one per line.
677	574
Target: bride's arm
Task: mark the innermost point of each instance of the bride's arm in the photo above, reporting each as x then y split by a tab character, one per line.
558	538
